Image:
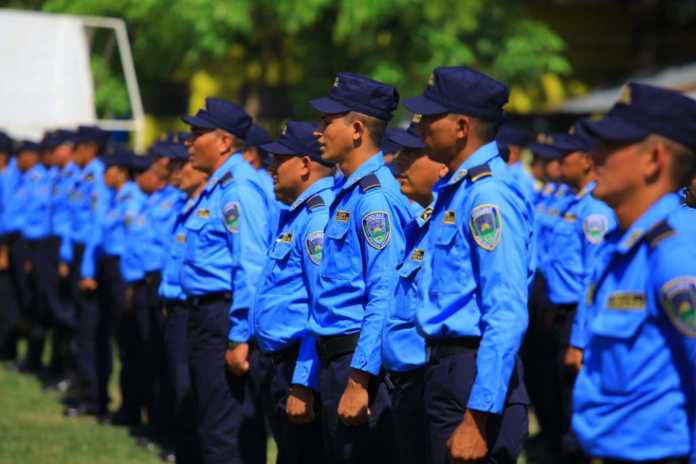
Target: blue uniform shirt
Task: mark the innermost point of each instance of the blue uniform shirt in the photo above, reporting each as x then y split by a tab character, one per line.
88	202
635	396
18	196
403	348
37	184
170	286
281	309
161	214
524	180
572	246
482	243
9	179
363	243
227	236
136	233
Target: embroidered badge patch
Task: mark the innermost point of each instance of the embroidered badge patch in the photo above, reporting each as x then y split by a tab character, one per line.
285	238
417	255
377	230
626	301
427	212
595	226
230	215
679	302
450	217
342	216
486	226
315	246
203	213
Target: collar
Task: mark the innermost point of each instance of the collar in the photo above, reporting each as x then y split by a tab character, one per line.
483	155
586	190
316	187
369	166
229	165
660	210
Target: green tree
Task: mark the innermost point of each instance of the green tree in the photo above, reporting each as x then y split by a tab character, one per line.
280	53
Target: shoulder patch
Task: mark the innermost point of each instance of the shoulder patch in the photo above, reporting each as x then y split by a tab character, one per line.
377	229
486	226
226	179
679	302
479	172
369	182
595	226
315	202
230	214
658	233
315	246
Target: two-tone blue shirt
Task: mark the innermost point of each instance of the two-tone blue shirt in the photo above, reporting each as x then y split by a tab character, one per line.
63	184
635	396
363	244
37	183
481	244
170	285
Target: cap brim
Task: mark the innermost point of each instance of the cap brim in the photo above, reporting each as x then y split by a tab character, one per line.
614	129
546	152
424	105
195	121
276	148
328	105
406	140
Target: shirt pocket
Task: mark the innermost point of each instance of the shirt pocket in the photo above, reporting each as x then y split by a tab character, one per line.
618	351
450	259
196	237
340	259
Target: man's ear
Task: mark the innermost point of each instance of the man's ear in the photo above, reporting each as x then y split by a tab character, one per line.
225	142
463	126
658	160
306	166
358	131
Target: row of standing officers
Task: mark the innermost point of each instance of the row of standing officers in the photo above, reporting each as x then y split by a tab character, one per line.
369	312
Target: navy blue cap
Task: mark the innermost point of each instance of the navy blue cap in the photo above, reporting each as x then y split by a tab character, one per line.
6	143
511	134
643	110
221	114
353	92
461	90
545	147
63	137
87	134
121	156
387	145
28	145
182	136
141	162
257	136
406	138
297	138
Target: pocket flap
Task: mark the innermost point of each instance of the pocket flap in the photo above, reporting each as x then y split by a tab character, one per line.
337	230
409	268
280	250
445	234
618	323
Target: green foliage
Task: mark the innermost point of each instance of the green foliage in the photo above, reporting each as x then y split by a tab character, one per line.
296	46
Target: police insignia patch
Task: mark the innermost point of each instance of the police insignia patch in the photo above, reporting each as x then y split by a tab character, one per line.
679	302
377	230
450	217
315	246
595	226
230	214
417	254
486	226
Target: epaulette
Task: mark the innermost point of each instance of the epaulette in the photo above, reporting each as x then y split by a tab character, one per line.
315	202
479	172
369	182
226	179
658	233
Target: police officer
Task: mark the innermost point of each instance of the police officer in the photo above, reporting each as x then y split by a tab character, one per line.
514	139
227	235
573	243
635	395
474	311
303	181
363	242
191	182
403	348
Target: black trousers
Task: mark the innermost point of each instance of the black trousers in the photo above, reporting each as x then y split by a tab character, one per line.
448	384
297	444
226	416
9	313
368	443
406	390
177	348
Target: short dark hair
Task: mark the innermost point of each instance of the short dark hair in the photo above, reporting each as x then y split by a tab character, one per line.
375	126
485	130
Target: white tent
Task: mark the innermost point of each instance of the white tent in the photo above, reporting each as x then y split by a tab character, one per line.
45	75
682	78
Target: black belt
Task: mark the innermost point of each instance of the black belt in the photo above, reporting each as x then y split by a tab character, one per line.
209	298
395	379
288	353
449	347
330	348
